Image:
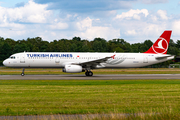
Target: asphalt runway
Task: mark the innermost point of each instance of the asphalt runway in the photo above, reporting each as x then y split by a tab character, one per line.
95	77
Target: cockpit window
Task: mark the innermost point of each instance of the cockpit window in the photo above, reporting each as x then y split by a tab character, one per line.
12	57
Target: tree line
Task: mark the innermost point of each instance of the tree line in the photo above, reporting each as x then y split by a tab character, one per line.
9	46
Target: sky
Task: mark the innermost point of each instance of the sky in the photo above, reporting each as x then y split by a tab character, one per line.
132	20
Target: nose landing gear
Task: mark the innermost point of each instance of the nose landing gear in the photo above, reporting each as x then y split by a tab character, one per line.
22	74
88	73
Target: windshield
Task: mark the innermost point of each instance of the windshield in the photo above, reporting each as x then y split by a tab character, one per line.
12	57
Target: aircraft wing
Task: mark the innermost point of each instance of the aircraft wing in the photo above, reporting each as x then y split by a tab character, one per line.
94	62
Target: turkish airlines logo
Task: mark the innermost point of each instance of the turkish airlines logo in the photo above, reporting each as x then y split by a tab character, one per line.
160	46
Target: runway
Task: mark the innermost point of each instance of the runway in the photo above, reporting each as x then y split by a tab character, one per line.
95	77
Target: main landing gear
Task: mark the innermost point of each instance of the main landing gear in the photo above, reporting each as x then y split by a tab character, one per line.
88	73
22	74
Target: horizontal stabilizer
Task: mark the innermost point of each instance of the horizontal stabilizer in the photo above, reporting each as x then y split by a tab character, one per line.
163	57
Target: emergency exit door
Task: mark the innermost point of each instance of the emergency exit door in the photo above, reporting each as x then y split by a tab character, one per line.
57	60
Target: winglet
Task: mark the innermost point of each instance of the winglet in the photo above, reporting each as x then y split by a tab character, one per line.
161	44
113	56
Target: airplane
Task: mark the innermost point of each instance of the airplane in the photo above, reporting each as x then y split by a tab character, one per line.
76	62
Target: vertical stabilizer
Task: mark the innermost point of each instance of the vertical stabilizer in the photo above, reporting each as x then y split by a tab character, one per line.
161	44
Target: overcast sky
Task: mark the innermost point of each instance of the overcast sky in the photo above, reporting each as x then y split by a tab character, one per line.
132	20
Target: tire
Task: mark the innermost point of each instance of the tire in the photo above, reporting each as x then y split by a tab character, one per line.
87	73
22	74
90	73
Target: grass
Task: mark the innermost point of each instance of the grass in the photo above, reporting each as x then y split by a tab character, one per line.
28	71
135	98
93	99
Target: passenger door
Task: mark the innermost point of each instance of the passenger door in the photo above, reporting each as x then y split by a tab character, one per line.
145	59
22	58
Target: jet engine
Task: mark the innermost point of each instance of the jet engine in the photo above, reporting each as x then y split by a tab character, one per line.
73	69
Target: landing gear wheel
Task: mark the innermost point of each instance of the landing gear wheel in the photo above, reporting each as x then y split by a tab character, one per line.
22	74
89	73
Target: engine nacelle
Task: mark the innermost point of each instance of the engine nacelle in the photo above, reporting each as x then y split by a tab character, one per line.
73	69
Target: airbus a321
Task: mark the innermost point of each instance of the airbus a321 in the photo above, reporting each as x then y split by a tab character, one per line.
75	62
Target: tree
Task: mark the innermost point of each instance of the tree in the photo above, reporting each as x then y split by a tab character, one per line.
76	39
6	51
118	49
136	47
178	44
97	46
103	45
73	47
148	43
85	48
127	47
172	48
17	48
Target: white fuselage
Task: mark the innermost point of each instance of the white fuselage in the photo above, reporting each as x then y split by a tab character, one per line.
60	59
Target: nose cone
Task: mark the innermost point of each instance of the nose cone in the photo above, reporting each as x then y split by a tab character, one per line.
5	62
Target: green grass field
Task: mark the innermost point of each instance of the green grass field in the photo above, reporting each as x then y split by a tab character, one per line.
28	71
132	99
157	99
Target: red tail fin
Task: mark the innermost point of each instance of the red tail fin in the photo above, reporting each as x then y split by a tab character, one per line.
161	44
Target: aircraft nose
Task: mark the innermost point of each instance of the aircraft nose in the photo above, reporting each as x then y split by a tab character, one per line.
5	62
